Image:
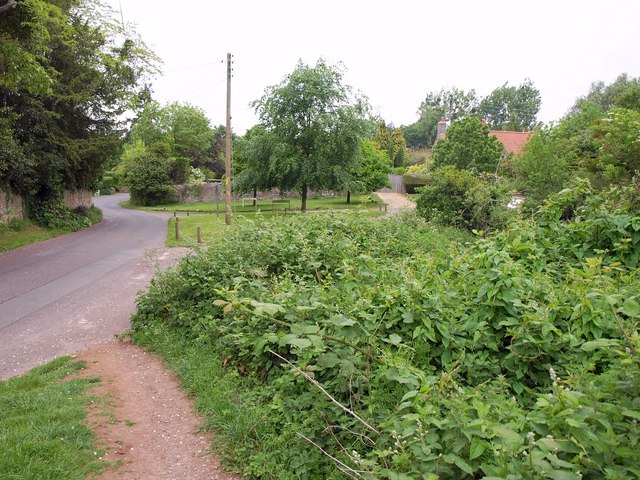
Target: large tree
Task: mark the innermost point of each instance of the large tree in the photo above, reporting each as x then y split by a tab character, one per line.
468	146
511	108
450	104
67	75
316	122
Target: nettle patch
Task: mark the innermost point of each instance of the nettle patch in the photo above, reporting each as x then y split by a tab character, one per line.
394	350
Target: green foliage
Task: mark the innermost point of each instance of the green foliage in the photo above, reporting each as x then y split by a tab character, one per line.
618	136
461	199
43	431
315	123
469	146
452	104
514	354
68	72
177	131
372	170
149	176
543	168
511	108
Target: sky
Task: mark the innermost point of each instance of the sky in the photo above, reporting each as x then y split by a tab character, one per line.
395	53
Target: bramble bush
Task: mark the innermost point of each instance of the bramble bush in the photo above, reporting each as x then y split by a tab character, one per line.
394	350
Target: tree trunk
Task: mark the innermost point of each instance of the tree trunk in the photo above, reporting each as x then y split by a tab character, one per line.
255	195
348	197
303	207
8	6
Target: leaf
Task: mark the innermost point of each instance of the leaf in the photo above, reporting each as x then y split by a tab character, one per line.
394	339
511	439
268	309
600	343
220	303
631	413
476	448
328	360
342	321
300	343
631	308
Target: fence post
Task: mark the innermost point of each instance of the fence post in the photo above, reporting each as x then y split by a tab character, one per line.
199	234
177	228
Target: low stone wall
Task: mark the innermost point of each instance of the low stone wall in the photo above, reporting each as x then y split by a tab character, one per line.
11	206
207	193
78	198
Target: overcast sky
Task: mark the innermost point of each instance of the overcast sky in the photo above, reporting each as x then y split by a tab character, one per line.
395	52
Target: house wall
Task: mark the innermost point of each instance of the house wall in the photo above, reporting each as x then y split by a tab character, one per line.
11	207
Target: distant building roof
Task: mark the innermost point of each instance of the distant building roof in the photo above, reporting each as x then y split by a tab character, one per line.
513	142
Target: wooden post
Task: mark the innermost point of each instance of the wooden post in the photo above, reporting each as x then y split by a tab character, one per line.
227	178
199	235
177	228
187	212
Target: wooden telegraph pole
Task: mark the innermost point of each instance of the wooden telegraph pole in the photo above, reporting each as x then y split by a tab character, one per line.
227	180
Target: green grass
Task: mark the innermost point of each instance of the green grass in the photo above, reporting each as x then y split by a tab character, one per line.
19	234
322	203
213	227
42	425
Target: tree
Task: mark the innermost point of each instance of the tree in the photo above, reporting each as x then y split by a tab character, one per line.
252	157
67	75
512	108
392	141
450	104
469	146
544	167
371	170
148	175
461	199
618	136
624	92
316	123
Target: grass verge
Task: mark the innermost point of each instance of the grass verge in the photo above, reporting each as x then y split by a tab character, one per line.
42	424
18	234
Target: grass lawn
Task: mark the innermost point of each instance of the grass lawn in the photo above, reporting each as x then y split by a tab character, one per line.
19	234
213	227
42	424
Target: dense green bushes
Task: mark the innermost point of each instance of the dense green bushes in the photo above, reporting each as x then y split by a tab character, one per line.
458	198
512	357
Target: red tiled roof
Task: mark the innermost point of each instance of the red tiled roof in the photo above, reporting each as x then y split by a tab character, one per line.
513	142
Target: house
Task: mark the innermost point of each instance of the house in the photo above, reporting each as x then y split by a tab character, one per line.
513	142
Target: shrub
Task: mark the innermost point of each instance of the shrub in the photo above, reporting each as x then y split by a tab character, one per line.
461	199
513	355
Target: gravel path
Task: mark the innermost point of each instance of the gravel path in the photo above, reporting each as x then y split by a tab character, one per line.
143	420
396	202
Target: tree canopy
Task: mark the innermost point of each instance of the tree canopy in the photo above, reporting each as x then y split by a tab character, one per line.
315	122
68	73
469	146
511	108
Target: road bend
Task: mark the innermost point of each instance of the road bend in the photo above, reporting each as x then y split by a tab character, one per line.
63	295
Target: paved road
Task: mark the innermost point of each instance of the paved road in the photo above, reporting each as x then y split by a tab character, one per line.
60	296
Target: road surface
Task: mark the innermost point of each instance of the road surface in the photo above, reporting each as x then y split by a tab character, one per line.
63	295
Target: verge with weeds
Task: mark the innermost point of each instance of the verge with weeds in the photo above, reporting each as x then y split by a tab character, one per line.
368	349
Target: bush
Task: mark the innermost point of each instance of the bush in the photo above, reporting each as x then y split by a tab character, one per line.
461	199
514	355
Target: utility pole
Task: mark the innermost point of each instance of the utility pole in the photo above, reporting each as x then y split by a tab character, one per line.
227	180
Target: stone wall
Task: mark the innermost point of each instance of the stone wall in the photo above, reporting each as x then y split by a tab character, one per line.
78	198
11	206
207	193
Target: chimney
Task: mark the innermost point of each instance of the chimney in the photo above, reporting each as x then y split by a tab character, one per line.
441	131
